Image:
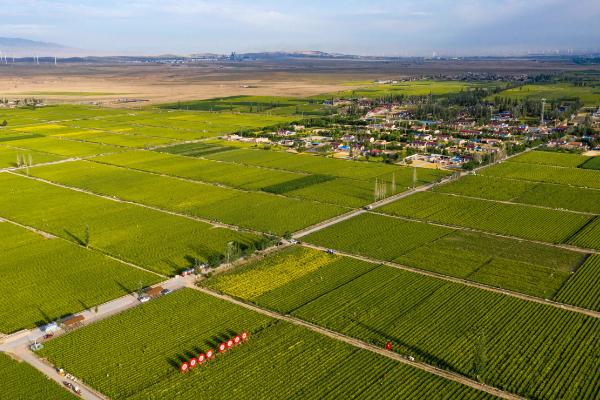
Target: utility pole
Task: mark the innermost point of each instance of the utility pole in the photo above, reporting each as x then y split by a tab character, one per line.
414	177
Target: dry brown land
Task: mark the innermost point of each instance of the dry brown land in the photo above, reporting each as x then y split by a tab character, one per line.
159	83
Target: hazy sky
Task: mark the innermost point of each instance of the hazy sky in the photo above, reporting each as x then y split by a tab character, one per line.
376	27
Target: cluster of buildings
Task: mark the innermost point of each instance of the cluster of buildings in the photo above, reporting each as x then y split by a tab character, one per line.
390	132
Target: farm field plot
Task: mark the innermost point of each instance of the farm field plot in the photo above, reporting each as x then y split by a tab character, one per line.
551	158
377	236
509	219
347	192
235	175
321	188
195	149
413	88
258	211
130	125
290	278
115	139
72	277
342	191
589	236
155	240
278	361
253	104
507	263
440	322
583	289
207	124
545	173
589	95
9	157
486	187
22	381
541	194
62	147
61	112
327	166
592	163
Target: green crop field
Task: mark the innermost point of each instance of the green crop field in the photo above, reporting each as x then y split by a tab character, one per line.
61	147
12	157
22	381
253	104
541	194
115	139
589	236
258	211
333	185
331	189
412	88
378	236
583	289
278	361
545	173
46	279
509	219
153	239
438	322
592	163
551	158
530	268
235	175
589	95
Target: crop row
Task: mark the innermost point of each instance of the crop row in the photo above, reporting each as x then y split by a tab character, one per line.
527	348
279	360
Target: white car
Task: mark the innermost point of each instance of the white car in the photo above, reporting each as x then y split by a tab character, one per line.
144	299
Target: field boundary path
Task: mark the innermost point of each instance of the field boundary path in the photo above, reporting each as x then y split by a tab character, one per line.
64	160
366	346
465	282
87	393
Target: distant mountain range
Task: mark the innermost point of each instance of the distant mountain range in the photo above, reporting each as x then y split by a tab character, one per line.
19	47
26	49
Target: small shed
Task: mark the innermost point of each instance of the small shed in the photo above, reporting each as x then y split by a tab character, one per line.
154	291
73	321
